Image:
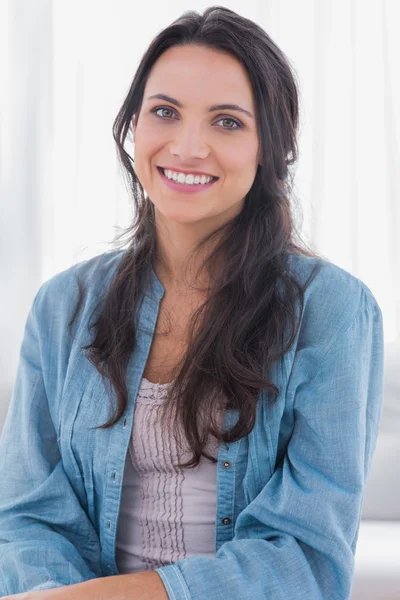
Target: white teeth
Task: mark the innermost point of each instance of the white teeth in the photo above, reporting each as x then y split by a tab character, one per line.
187	179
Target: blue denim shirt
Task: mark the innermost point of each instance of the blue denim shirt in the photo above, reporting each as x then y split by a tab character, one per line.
288	509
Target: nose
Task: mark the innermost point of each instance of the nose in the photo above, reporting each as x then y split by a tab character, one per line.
189	143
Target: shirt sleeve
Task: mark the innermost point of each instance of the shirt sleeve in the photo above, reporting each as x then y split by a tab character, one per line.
297	539
46	537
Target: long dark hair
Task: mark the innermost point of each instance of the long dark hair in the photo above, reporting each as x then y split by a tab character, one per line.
238	333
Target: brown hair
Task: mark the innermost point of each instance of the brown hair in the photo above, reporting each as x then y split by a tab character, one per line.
245	315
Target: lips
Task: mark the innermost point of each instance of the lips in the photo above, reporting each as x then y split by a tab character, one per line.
162	169
185	189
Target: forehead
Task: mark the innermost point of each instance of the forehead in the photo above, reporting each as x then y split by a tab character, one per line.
201	75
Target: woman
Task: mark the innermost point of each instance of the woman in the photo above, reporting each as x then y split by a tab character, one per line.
195	415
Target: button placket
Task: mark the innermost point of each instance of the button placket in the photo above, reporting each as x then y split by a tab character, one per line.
226	464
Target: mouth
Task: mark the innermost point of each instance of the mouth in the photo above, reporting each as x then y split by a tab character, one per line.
185	187
163	172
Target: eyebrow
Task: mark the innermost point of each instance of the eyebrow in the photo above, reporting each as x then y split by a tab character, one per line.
210	108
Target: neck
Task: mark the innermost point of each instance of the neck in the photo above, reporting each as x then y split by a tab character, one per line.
175	266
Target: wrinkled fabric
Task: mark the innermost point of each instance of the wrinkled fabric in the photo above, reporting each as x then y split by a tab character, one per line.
288	509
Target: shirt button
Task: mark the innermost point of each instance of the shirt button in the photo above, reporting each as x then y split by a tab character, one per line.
226	464
124	425
226	521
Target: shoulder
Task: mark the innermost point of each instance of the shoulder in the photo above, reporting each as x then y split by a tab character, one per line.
332	287
333	300
60	293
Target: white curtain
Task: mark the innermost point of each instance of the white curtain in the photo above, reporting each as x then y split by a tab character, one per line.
65	68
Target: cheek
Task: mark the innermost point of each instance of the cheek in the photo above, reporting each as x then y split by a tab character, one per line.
240	171
242	166
147	143
243	155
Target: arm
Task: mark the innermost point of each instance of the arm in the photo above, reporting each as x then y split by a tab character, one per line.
145	585
46	538
296	540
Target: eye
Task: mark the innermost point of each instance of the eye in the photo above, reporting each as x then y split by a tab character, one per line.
235	121
155	110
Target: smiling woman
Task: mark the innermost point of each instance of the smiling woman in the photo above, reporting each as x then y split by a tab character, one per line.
191	135
268	358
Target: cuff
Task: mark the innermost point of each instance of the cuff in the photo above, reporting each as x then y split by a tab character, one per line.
47	586
174	583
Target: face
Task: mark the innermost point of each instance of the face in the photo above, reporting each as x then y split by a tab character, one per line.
192	138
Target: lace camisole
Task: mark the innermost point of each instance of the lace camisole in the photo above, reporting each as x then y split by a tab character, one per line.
166	513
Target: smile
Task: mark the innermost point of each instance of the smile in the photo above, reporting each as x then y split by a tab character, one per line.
186	188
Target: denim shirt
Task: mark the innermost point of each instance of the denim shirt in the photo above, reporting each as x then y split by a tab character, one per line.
289	505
